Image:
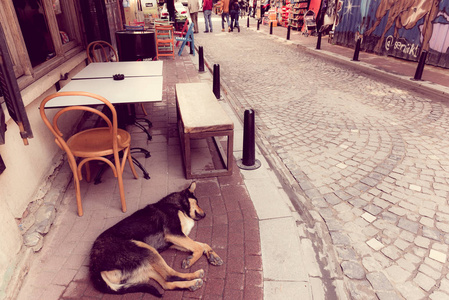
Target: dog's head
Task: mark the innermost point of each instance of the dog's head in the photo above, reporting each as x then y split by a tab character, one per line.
190	205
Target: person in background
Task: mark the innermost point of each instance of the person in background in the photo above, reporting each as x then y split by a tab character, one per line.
234	10
250	8
207	12
194	7
224	14
171	10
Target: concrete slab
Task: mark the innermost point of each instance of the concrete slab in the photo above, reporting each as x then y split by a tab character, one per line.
281	257
267	199
286	290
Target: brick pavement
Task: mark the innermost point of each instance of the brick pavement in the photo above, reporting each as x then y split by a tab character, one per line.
365	155
60	269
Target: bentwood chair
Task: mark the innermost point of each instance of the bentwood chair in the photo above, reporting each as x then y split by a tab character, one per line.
101	51
102	143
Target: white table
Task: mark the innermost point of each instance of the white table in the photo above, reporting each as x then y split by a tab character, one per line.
126	91
127	68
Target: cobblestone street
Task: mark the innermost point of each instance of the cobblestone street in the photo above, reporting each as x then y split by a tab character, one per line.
370	160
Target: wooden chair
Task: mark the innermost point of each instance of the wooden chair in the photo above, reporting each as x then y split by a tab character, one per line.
101	51
165	41
183	32
91	144
188	38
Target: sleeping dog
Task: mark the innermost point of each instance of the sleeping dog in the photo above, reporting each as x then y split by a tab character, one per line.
126	257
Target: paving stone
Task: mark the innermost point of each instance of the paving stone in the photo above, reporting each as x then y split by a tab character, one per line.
422	242
339	238
371	264
438	256
392	252
398	274
424	281
388	296
379	281
373	209
437	295
425	269
401	244
353	270
398	211
408	225
431	233
346	253
410	291
406	265
375	244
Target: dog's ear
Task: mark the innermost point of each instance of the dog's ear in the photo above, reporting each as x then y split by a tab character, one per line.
192	187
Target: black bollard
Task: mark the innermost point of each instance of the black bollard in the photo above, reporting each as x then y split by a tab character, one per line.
357	50
249	161
247	22
216	82
288	32
318	41
258	24
200	59
420	68
271	27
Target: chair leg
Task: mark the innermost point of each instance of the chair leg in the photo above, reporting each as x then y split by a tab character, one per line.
78	195
119	168
144	110
131	165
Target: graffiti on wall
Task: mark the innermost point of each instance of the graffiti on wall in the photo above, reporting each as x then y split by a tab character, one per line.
400	28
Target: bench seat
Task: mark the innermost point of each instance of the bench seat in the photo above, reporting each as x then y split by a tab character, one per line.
201	116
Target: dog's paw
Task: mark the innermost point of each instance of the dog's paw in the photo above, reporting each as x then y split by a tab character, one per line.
197	285
186	262
200	273
215	260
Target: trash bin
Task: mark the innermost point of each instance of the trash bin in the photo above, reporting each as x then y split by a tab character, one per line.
135	45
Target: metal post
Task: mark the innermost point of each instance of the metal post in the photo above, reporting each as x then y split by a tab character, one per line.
247	22
258	24
420	68
200	59
288	32
249	161
271	27
357	50
216	81
318	41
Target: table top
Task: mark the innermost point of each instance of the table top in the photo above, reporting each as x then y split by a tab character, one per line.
127	68
128	90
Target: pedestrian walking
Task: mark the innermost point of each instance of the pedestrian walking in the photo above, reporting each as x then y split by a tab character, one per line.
234	10
194	7
171	10
207	12
224	14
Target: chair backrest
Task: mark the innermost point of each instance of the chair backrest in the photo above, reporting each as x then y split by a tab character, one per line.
101	51
60	137
164	32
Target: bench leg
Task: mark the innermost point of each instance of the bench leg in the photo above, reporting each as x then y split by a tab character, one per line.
187	156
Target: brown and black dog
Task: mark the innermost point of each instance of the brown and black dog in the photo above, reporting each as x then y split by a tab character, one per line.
126	257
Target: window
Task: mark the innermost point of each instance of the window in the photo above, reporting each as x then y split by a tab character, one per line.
41	35
35	31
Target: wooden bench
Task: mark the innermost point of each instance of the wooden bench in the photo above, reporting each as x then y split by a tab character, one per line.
200	116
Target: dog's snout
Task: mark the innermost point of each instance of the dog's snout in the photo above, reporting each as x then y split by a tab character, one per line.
200	214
